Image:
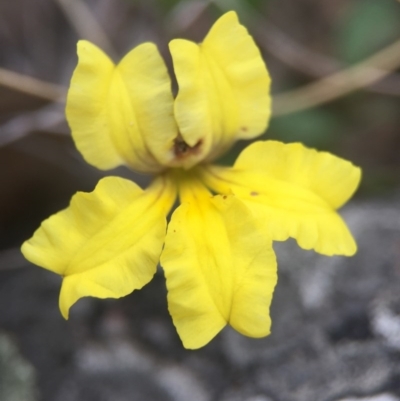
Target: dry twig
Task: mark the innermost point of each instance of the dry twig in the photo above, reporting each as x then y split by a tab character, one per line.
185	13
309	62
32	86
85	24
336	85
45	119
341	83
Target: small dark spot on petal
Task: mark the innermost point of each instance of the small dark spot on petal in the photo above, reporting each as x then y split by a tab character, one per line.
254	193
244	129
224	196
182	149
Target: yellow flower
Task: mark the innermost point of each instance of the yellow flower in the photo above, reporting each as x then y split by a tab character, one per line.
217	252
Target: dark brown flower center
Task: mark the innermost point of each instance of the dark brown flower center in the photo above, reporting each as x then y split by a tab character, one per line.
182	149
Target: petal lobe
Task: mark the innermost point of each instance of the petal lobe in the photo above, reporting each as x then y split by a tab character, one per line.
106	243
219	269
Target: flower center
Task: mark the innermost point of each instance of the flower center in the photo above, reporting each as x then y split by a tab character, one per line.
182	150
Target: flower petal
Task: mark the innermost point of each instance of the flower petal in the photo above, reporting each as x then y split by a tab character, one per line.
219	269
107	242
335	180
223	87
122	114
295	191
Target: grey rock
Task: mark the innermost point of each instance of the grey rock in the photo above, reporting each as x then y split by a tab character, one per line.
385	316
336	320
377	397
335	332
118	369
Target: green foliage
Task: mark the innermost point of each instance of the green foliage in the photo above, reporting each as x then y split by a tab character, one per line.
257	4
315	128
17	376
367	26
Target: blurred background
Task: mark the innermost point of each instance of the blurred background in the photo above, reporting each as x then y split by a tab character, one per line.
335	66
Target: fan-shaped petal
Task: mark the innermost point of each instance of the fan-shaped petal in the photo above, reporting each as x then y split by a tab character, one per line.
223	87
219	269
122	114
107	242
295	191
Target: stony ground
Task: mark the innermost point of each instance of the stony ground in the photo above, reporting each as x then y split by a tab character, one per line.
336	321
336	334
